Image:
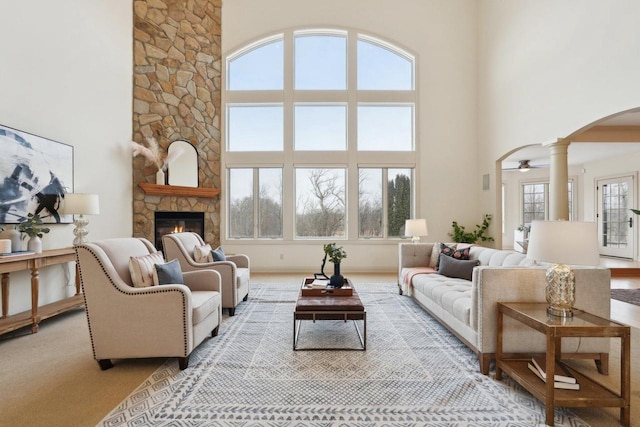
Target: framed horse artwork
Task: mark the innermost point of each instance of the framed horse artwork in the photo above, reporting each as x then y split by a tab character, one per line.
35	174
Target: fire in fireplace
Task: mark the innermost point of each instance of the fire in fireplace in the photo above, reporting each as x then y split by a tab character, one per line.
177	222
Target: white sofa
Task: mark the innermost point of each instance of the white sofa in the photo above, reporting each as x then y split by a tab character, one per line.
468	308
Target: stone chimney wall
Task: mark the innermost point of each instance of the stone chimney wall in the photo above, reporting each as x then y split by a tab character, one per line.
176	96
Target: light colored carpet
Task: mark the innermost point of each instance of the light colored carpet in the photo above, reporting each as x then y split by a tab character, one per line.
414	372
50	378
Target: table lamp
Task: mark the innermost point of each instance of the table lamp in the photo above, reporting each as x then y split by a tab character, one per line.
81	204
415	228
563	243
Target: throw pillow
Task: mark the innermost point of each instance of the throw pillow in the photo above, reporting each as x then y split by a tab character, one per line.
218	254
169	273
453	252
457	268
202	253
435	254
141	269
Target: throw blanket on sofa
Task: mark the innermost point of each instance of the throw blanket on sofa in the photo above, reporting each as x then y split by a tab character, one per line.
407	274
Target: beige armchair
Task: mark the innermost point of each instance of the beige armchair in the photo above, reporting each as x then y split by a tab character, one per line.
156	321
235	271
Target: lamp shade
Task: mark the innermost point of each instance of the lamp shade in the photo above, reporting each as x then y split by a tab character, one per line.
564	242
415	227
81	203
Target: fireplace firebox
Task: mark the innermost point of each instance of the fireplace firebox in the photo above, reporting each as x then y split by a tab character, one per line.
177	222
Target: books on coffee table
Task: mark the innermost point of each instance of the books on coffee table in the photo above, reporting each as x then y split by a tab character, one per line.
562	379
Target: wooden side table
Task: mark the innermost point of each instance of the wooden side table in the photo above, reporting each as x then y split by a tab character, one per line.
582	324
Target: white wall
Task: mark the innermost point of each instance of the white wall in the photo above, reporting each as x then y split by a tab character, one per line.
549	67
442	34
65	74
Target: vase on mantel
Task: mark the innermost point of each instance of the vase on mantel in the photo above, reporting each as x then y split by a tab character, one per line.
160	177
35	244
337	280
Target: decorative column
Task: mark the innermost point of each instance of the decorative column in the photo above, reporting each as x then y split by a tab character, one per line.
559	181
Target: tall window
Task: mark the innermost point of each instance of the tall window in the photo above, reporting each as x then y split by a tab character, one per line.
535	202
320	137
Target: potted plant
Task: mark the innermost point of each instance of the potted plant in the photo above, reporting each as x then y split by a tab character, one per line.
32	227
525	229
336	255
460	235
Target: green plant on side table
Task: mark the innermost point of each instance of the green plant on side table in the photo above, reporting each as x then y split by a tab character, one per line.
460	235
32	227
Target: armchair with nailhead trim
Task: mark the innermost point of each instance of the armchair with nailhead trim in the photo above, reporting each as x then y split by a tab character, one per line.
235	270
127	322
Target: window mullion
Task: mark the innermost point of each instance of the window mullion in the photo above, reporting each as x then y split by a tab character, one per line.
288	190
256	203
385	203
352	204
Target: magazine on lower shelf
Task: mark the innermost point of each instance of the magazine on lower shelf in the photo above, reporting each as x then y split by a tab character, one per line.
561	373
556	384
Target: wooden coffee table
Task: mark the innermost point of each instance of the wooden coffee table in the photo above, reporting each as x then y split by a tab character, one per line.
330	307
582	324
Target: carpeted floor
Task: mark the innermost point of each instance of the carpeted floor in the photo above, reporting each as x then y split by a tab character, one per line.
631	296
414	372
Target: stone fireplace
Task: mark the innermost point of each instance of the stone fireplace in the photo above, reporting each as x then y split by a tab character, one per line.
176	96
177	222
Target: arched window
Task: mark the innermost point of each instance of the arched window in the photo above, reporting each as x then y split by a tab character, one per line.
319	137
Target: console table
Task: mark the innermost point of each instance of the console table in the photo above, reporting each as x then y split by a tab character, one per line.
34	262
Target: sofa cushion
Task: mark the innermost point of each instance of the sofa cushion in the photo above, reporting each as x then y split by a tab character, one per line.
218	254
243	275
500	258
453	295
452	251
435	255
457	268
204	303
168	273
142	268
202	253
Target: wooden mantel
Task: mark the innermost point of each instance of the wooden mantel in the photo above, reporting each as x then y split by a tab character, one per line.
178	190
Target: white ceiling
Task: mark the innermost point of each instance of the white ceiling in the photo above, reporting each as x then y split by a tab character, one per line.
580	152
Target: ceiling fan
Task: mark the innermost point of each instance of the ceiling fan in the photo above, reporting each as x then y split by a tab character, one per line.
523	166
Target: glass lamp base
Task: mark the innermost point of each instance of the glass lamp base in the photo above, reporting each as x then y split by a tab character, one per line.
559	312
560	290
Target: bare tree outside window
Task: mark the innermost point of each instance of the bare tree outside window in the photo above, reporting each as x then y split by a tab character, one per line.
370	215
270	203
320	202
242	214
241	202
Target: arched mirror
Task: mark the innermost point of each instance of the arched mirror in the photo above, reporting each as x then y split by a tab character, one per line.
183	169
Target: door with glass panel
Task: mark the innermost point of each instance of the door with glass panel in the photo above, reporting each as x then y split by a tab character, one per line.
616	222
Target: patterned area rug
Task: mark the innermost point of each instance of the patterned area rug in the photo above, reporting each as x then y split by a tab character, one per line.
413	373
632	296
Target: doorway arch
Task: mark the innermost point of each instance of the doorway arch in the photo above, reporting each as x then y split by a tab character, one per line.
617	134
